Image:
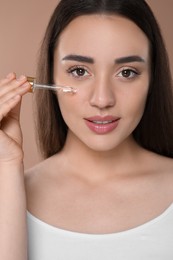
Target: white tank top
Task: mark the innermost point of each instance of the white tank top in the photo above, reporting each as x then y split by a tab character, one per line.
150	241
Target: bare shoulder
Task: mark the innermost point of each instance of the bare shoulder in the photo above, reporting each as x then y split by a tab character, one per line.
33	177
45	168
43	174
34	171
163	171
158	162
41	182
165	164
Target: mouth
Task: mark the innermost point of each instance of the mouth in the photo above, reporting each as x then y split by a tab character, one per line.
102	125
101	122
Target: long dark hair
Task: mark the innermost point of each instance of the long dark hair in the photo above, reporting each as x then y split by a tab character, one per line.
155	130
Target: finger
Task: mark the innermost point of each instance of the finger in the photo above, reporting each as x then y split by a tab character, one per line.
11	83
8	106
20	90
8	78
11	91
15	112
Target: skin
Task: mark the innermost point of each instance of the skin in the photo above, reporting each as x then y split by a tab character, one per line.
12	190
101	183
103	90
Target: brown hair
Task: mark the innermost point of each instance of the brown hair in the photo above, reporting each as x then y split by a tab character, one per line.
155	130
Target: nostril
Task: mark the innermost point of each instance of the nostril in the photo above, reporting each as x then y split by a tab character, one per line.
102	101
102	93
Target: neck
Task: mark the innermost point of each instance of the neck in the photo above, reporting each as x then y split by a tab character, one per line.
100	165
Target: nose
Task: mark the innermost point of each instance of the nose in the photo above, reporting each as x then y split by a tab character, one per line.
102	95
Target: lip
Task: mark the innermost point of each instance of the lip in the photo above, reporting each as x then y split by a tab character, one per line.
102	125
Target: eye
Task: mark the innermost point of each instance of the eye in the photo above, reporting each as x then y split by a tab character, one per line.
128	73
78	72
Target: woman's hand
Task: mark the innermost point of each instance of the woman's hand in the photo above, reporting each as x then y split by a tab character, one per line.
11	91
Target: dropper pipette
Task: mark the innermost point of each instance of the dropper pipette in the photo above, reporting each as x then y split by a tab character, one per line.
64	89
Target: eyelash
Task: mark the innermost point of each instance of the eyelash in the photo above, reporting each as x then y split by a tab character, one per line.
73	70
133	73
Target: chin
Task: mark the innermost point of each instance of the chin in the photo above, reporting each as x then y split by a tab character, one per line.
103	147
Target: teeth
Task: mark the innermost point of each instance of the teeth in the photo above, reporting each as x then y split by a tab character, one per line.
102	122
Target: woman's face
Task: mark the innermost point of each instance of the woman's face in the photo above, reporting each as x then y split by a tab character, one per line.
106	58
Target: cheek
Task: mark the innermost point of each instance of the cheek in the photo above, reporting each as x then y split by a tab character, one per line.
73	103
136	106
63	104
69	106
134	100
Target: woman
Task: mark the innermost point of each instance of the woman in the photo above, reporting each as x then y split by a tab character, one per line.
104	190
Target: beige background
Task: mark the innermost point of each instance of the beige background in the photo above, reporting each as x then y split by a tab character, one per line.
22	25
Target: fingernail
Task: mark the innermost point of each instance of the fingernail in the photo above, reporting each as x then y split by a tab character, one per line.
10	75
26	84
22	77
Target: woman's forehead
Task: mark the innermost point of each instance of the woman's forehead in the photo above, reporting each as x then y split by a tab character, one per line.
97	34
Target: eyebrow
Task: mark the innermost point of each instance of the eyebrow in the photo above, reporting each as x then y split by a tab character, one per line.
127	59
74	57
80	58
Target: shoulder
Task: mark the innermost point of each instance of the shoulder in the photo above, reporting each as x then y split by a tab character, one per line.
162	169
157	166
163	164
40	171
33	177
42	181
44	169
42	175
157	162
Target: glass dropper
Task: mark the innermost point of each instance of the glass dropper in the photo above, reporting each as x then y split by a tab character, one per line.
64	89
